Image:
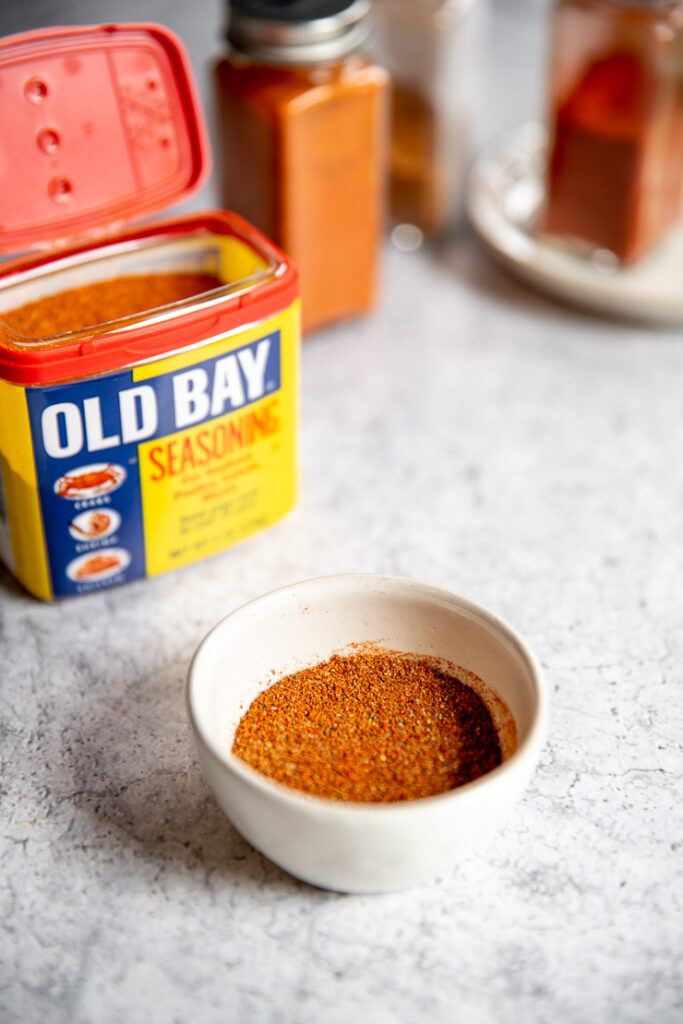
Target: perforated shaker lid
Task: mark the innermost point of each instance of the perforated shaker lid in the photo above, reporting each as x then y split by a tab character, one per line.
100	125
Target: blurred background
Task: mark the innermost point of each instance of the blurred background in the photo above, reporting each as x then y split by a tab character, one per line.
514	64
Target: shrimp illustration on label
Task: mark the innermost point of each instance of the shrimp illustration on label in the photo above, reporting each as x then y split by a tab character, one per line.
94	524
89	481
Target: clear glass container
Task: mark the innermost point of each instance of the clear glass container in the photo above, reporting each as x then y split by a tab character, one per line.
433	51
615	166
303	144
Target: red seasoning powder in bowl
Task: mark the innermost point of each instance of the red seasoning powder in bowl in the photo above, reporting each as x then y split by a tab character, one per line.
376	728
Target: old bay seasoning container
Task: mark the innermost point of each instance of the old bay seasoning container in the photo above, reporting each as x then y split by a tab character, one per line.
147	442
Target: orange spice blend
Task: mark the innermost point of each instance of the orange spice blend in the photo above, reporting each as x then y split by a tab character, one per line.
615	167
302	122
371	728
103	301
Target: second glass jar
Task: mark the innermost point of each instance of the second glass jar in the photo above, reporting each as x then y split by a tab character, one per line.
433	50
615	167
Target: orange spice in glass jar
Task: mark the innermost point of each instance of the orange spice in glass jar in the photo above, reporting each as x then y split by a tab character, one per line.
615	167
433	51
303	126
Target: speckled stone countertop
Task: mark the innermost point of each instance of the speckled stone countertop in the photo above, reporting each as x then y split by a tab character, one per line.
471	434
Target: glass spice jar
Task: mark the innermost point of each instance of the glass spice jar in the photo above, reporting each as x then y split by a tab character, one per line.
432	50
303	143
615	167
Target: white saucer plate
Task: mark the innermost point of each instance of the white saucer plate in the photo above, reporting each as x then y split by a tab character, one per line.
504	196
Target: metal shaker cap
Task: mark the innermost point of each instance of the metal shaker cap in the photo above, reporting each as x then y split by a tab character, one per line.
298	32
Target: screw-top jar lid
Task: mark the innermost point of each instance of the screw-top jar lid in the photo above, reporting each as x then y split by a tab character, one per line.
298	31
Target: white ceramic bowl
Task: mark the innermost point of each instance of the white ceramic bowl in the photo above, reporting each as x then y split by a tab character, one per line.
354	847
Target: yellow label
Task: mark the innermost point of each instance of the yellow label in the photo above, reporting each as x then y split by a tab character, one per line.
22	541
213	484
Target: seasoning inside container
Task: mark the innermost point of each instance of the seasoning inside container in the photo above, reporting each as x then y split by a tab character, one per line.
376	727
104	301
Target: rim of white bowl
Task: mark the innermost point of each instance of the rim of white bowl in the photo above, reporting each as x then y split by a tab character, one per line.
528	749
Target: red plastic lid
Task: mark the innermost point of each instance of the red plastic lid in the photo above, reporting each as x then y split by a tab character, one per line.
100	124
120	345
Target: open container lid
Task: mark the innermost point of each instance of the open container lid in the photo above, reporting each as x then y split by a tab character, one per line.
100	125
